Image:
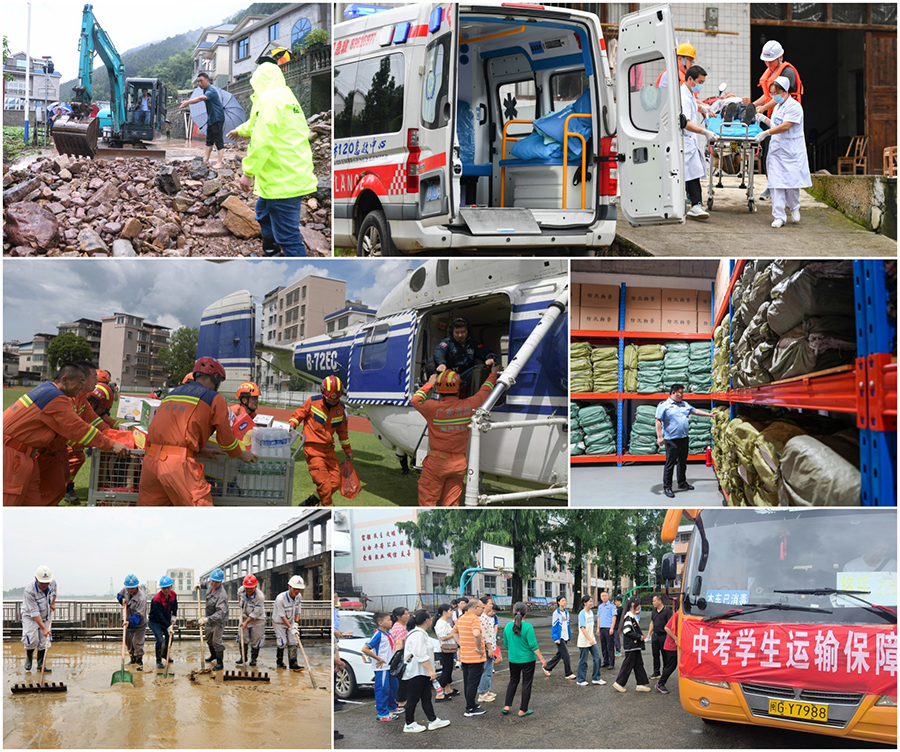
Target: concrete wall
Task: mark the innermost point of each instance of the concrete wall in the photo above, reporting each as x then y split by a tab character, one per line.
869	200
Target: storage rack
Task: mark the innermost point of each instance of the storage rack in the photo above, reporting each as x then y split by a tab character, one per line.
622	398
866	389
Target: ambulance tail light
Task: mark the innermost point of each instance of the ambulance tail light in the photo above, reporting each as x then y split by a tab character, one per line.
609	170
412	160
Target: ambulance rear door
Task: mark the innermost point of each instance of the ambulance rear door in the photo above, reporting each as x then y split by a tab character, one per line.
381	360
439	23
650	139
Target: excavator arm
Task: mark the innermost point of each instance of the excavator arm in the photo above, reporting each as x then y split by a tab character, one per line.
94	40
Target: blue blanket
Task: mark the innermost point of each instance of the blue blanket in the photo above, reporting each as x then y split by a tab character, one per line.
732	130
546	143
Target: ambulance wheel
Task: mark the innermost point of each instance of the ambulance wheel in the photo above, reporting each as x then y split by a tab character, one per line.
375	236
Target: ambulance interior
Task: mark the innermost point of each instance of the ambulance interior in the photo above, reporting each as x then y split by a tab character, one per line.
488	319
513	71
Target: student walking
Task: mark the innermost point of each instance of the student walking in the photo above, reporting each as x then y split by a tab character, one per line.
659	617
402	622
489	631
419	675
587	644
670	654
560	633
381	649
522	648
443	630
632	644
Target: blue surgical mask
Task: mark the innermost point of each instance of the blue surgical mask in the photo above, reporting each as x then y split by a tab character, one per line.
779	98
696	87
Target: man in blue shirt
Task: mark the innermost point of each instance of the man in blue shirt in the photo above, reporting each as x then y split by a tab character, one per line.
215	115
672	431
606	630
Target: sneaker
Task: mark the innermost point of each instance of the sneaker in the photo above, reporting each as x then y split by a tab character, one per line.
618	687
749	117
338	735
778	223
479	697
413	728
571	676
476	711
72	496
489	697
661	688
642	688
618	655
597	681
582	684
437	723
457	665
656	676
698	212
795	216
765	195
387	717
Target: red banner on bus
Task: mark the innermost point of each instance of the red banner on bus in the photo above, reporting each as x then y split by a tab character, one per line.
825	657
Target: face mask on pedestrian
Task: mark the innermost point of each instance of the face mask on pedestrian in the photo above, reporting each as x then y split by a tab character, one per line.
696	88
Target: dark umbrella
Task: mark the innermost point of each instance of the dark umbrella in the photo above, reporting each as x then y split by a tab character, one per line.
234	113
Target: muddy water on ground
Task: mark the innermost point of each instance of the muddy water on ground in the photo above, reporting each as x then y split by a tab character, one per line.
158	713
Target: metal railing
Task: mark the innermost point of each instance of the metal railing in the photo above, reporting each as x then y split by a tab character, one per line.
102	619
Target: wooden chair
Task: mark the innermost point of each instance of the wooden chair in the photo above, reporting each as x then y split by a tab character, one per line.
890	162
855	158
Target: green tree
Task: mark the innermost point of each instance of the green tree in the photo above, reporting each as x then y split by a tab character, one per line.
67	348
178	358
6	53
461	533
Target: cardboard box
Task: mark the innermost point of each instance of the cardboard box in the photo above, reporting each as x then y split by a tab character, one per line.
643	298
148	410
600	296
263	421
704	301
129	408
599	319
681	322
679	300
575	295
140	437
643	320
704	322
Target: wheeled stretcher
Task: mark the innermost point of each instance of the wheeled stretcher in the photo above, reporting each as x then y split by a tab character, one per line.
733	153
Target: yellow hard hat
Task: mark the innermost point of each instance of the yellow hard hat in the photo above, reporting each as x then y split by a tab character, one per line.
686	49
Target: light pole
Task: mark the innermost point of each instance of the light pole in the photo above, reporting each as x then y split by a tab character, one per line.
27	72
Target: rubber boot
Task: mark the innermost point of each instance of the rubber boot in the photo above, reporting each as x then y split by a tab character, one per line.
29	659
159	656
140	663
212	656
404	465
270	247
311	501
292	660
40	662
133	660
279	658
254	654
220	656
240	660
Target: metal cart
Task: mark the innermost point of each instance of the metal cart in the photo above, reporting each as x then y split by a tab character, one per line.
736	147
269	482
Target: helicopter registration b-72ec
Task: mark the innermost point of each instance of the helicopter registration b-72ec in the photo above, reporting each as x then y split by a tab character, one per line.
516	307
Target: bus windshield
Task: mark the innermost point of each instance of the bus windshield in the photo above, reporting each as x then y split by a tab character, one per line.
755	552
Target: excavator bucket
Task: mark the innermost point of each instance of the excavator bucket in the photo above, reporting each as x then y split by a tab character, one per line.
76	138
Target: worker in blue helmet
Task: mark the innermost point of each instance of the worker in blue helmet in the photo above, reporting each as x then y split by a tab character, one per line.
163	608
216	616
135	617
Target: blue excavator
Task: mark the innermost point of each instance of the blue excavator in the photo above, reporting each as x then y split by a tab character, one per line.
79	134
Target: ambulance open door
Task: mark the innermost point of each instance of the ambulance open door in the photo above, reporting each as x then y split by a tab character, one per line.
381	361
650	139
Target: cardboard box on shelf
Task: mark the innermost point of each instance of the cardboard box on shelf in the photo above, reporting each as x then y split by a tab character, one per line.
704	322
643	320
680	322
599	296
643	298
704	301
599	319
679	300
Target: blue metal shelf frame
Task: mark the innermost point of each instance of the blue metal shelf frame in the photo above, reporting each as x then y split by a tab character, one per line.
620	403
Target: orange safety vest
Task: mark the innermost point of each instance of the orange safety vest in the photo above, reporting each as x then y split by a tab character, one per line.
766	79
681	79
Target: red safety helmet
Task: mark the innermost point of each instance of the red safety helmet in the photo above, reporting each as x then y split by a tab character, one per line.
209	366
186	379
447	382
332	388
250	581
102	376
247	389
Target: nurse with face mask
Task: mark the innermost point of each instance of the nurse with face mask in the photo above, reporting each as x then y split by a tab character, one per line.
787	164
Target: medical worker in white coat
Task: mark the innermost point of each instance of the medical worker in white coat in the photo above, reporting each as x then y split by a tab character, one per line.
694	166
787	164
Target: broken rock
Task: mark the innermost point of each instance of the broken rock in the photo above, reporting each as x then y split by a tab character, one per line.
90	242
31	225
21	190
213	228
132	229
107	194
167	180
211	186
240	219
122	249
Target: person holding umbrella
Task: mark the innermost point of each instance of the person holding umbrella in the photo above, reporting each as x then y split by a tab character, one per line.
215	115
279	165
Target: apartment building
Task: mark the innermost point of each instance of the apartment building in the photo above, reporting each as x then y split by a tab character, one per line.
87	329
129	350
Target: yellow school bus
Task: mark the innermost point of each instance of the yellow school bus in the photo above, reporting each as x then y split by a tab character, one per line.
787	618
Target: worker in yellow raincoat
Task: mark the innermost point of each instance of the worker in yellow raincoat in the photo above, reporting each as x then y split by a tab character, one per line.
279	164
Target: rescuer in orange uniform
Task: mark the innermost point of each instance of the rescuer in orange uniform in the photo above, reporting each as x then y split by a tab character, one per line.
321	417
180	429
102	398
242	414
35	423
444	469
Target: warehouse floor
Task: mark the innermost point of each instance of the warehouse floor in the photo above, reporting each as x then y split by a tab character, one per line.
640	485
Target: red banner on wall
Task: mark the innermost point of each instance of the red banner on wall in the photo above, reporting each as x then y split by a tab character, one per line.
825	657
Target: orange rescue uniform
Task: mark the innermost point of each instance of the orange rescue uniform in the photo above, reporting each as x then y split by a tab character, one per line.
320	422
444	468
39	422
181	427
768	78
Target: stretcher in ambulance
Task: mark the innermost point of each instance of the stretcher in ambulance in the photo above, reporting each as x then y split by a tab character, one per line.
501	128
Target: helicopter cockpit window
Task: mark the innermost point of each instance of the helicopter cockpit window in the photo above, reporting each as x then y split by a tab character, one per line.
417	279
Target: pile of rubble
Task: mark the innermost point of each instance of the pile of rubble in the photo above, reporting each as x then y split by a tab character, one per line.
134	206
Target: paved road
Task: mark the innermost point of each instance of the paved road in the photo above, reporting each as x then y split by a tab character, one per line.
568	716
732	230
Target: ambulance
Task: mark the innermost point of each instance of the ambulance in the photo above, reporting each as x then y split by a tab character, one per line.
502	128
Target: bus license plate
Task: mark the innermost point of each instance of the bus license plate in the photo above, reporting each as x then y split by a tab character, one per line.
804	711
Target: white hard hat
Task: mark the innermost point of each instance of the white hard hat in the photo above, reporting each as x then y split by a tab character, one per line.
783	82
771	50
43	574
296	582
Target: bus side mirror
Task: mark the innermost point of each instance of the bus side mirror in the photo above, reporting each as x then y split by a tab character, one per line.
668	567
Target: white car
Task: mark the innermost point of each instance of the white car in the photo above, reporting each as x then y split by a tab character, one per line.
359	670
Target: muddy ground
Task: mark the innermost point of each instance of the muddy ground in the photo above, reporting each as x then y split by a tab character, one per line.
165	714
